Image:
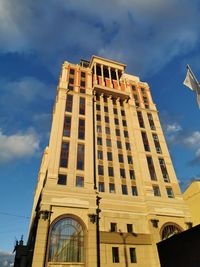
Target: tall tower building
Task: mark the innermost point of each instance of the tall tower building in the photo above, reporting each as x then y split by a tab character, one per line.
107	191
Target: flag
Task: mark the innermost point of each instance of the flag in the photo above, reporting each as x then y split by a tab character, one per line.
192	83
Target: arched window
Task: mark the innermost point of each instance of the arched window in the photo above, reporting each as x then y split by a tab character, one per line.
169	230
66	241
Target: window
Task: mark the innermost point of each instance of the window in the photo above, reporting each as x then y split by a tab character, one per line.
113	227
123	112
99	141
106	119
117	132
101	187
109	156
156	191
100	154
98	107
115	254
82	74
134	190
130	159
129	228
71	80
99	129
121	158
116	121
105	109
110	171
69	103
170	193
156	143
107	129
151	168
80	157
115	111
67	126
126	134
137	104
140	119
98	117
124	189
170	230
62	179
124	123
132	174
128	147
151	122
66	241
79	181
64	155
111	188
108	142
81	129
100	170
122	173
132	255
119	144
82	84
82	106
164	170
145	141
133	87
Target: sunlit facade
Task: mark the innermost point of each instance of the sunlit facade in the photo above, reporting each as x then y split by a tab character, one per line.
106	140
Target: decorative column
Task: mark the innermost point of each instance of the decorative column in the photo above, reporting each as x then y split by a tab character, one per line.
116	71
102	76
95	73
110	78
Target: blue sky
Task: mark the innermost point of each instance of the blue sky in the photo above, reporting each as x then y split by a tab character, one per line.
155	38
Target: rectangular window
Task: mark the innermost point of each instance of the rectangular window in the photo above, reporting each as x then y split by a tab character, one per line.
130	159
140	119
62	179
98	107
156	191
110	171
99	129
116	121
82	106
134	190
99	141
132	255
128	147
101	187
151	168
111	188
80	157
81	129
108	142
83	74
156	143
115	111
133	87
71	80
109	156
123	112
100	154
71	71
124	189
98	117
121	158
79	181
129	228
119	144
170	193
151	122
106	119
145	141
115	254
105	109
122	173
117	132
113	227
67	126
64	155
126	134
164	170
82	84
137	104
100	170
124	123
132	174
107	129
69	103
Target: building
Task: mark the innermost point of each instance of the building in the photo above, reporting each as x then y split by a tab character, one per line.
106	142
192	198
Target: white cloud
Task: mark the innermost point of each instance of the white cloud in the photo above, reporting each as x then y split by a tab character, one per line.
156	31
192	140
173	128
18	146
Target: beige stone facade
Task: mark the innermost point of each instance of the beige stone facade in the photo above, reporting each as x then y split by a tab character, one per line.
192	198
107	118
